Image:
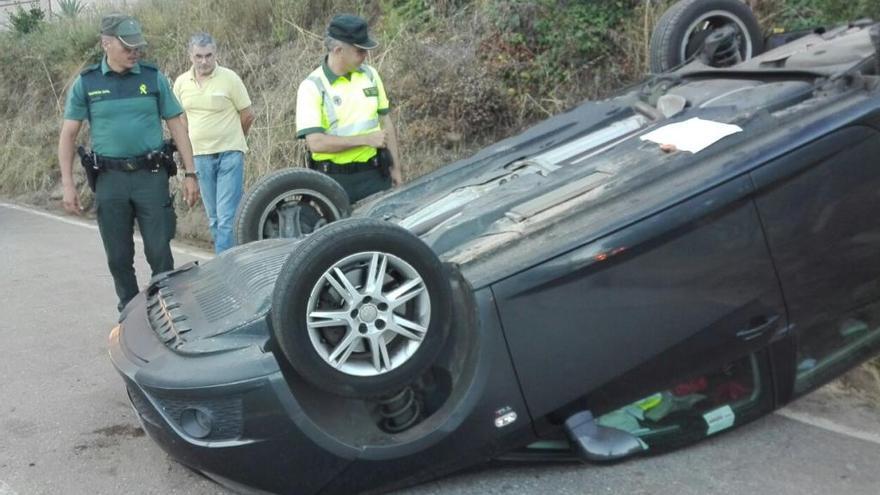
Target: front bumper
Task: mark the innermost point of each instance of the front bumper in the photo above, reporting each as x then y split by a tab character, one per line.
227	414
243	417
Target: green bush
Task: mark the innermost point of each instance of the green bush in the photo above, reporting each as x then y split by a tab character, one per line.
26	21
560	35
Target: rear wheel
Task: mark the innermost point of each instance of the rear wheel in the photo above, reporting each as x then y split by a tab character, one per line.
361	308
290	203
680	33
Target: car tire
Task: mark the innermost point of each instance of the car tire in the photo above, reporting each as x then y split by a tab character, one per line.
291	202
679	33
348	336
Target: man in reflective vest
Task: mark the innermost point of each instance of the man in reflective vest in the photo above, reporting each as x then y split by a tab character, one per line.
342	112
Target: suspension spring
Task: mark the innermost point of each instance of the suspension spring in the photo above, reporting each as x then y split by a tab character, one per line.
400	411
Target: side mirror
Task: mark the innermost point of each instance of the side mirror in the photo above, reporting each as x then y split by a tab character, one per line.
597	443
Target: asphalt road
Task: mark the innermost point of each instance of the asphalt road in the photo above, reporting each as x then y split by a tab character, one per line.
66	425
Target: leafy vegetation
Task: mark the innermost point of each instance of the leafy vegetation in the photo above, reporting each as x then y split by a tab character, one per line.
25	21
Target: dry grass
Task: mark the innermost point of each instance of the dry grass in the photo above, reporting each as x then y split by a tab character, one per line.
440	79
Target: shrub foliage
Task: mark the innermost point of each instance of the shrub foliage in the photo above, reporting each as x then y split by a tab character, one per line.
25	21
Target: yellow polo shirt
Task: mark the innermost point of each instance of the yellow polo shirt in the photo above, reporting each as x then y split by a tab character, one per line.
212	110
348	105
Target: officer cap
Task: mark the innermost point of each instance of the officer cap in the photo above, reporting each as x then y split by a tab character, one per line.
124	27
351	29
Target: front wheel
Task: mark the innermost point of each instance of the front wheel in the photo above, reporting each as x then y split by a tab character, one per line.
361	308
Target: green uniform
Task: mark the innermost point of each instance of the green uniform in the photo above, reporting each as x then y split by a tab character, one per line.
125	113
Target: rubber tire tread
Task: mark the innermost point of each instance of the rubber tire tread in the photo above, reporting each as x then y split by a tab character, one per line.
670	29
250	209
311	258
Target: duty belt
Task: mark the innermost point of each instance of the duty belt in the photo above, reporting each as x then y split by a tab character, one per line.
329	167
145	162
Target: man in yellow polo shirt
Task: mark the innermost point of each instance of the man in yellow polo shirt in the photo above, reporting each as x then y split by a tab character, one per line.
219	115
342	113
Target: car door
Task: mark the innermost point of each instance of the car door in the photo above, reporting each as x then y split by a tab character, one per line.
820	207
676	294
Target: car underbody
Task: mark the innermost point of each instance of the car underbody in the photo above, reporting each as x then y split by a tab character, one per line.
601	294
479	210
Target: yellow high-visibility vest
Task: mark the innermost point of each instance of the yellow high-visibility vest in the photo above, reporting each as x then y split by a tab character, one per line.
341	106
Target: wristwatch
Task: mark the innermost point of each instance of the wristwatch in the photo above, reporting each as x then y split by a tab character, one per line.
194	175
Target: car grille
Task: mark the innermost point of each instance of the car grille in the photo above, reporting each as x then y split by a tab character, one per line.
166	317
142	406
226	413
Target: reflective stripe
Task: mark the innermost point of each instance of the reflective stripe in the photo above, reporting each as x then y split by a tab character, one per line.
354	129
328	102
351	129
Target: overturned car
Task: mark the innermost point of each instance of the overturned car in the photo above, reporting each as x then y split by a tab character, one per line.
629	276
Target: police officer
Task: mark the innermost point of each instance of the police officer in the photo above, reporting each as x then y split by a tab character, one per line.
342	113
125	101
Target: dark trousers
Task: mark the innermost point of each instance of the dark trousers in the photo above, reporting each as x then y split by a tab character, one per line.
359	185
121	197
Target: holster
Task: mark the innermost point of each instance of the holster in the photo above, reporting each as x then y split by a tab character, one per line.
165	157
386	161
90	164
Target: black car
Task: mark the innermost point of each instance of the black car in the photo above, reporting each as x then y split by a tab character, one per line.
629	276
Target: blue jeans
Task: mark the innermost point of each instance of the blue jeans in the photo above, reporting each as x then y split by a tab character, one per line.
221	180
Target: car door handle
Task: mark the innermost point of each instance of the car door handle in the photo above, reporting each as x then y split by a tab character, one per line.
758	327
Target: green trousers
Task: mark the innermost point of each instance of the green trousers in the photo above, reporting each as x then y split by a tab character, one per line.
121	198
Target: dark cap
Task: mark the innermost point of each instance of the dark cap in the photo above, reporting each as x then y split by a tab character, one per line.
351	29
124	27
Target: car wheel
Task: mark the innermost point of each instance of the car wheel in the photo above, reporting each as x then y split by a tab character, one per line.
291	202
679	34
361	308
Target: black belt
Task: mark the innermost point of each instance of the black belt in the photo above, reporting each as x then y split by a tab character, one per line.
349	168
145	162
